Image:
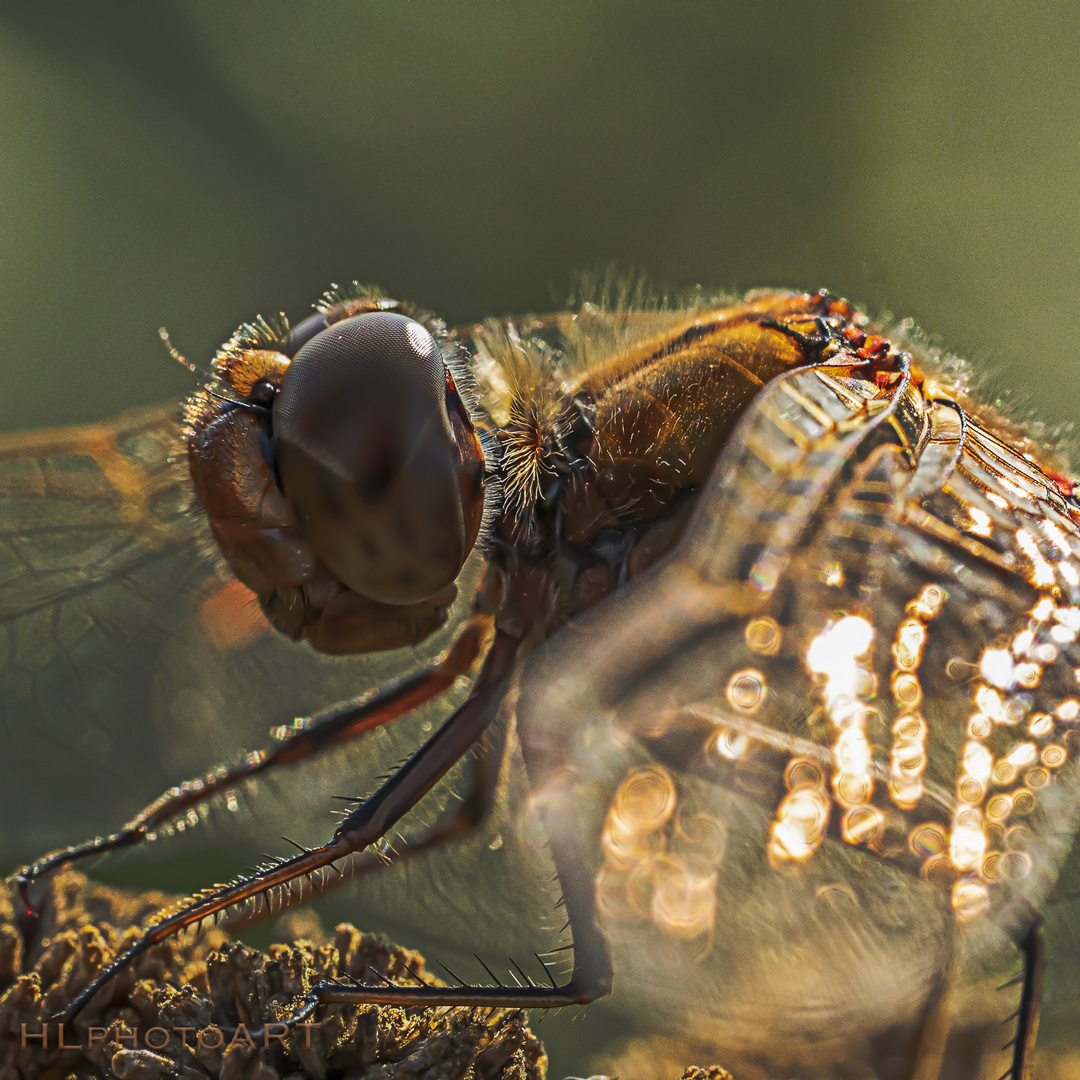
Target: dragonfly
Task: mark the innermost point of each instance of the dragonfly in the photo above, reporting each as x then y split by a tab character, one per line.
754	627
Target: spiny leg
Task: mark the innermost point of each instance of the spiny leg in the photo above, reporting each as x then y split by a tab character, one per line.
591	977
1031	947
592	971
469	812
365	825
335	726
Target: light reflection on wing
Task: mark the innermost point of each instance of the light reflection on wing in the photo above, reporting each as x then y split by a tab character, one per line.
827	752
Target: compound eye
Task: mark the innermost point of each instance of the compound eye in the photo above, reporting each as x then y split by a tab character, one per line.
383	483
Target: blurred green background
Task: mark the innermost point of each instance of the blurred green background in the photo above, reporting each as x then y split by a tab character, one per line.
191	163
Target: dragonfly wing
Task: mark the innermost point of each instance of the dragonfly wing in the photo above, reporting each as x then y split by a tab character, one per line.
99	553
130	660
824	751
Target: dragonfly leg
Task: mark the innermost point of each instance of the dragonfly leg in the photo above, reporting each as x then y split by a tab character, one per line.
591	977
368	823
1031	947
467	816
330	728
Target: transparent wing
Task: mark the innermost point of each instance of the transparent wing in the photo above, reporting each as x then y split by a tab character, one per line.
129	659
825	753
100	556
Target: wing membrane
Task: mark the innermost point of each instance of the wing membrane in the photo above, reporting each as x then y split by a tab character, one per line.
97	547
857	680
115	681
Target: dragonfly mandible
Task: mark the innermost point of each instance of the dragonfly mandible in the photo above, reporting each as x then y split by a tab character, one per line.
774	623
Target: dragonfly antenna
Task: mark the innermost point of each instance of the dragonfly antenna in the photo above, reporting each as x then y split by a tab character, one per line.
202	379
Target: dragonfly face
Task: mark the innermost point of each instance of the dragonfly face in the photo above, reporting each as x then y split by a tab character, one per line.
786	625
